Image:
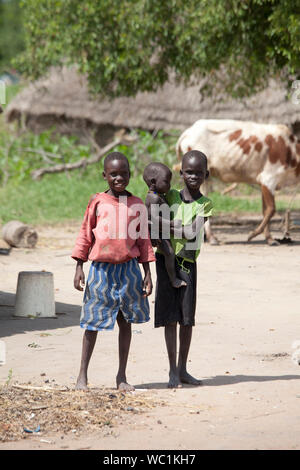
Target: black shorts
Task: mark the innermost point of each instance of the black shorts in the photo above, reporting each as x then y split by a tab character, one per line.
171	304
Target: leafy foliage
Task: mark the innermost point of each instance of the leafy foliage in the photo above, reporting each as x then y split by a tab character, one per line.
64	195
149	147
130	46
21	154
11	32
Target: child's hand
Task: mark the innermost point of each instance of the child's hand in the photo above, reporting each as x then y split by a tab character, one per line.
79	278
147	285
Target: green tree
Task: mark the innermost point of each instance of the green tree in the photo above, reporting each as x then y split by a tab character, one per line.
136	45
11	31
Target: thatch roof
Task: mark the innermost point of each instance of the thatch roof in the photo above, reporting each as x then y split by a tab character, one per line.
62	98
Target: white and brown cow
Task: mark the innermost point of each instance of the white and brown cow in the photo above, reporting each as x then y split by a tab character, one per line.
247	152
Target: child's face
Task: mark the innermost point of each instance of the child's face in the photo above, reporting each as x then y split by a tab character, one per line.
194	173
163	182
117	175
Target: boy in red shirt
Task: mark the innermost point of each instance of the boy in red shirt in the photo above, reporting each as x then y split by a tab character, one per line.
114	236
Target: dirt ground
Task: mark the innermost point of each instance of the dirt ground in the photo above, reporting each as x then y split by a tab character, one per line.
247	319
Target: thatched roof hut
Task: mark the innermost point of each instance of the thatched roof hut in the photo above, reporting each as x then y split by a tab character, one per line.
62	99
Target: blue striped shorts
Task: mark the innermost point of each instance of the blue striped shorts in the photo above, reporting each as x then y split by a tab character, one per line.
110	288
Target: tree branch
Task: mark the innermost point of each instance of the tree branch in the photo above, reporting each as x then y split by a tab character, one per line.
82	163
41	152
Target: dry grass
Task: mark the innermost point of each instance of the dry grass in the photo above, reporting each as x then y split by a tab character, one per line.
63	410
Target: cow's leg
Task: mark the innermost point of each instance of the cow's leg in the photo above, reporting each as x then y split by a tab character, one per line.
268	212
267	227
267	233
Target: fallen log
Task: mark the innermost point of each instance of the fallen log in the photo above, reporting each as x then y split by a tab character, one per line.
82	163
242	220
19	235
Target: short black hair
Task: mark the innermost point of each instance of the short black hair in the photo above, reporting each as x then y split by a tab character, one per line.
194	154
115	156
153	169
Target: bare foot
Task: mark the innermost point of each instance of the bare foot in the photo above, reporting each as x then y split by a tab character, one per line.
174	381
178	283
125	387
189	379
81	383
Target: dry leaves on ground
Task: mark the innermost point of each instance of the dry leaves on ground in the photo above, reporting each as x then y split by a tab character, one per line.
24	409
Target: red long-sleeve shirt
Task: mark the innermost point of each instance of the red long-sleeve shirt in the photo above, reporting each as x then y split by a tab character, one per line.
114	230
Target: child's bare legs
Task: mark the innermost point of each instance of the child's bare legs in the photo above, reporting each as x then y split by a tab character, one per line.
185	336
124	345
171	342
89	340
88	343
178	374
169	255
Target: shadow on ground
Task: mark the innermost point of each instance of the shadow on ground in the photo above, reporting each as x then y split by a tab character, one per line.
67	316
219	380
261	243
